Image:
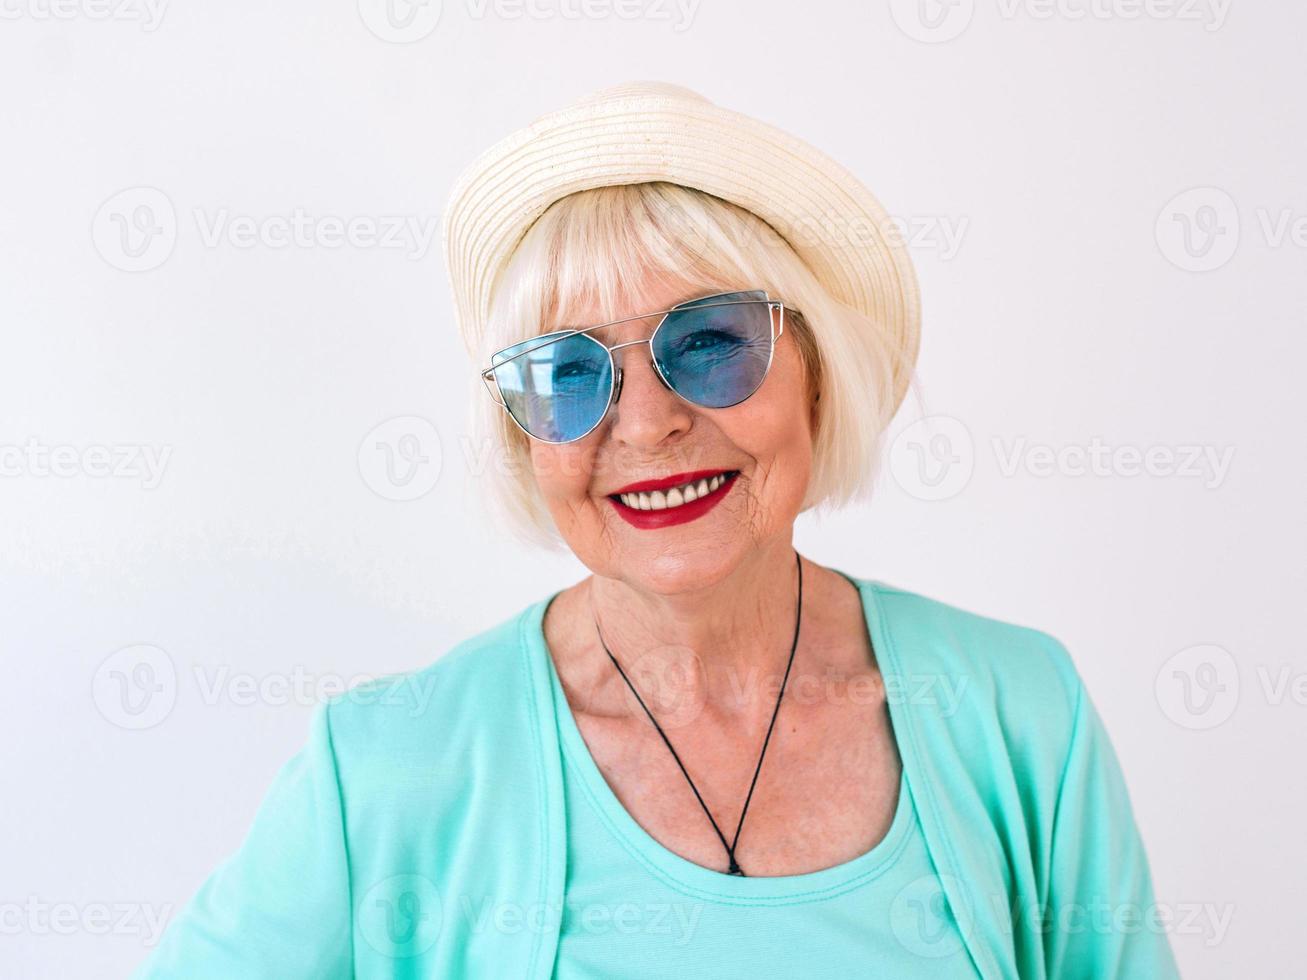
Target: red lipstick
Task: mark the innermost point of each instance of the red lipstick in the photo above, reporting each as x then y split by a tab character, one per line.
662	483
650	519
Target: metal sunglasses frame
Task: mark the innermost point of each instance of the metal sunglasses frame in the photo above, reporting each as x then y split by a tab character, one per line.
615	373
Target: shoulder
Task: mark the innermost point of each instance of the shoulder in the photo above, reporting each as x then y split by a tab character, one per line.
1003	680
475	692
948	635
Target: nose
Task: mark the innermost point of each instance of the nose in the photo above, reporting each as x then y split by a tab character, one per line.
617	382
651	411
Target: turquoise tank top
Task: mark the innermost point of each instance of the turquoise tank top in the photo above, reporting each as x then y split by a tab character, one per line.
633	908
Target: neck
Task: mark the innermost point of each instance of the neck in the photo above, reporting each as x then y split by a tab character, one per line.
726	644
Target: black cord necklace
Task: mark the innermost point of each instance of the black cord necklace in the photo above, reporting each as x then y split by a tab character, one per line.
734	868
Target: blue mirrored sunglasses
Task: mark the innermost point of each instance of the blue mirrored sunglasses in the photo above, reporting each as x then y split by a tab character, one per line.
713	352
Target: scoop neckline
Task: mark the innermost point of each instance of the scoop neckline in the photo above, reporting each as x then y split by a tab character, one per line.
694	879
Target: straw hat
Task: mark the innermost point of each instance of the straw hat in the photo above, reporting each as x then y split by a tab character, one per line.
646	131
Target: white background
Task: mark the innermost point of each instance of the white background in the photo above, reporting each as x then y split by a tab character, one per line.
1074	295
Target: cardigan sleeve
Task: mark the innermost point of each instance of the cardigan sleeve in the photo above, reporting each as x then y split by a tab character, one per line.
1102	920
279	907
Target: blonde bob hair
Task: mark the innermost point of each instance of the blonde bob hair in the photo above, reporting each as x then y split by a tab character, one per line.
603	248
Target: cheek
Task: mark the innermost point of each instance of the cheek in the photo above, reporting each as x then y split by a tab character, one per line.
561	472
776	421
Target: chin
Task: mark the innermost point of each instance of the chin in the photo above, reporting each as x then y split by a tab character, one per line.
670	572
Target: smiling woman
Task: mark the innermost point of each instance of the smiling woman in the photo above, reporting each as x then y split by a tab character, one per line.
682	368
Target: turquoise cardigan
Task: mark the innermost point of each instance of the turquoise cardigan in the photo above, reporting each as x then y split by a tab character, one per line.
420	830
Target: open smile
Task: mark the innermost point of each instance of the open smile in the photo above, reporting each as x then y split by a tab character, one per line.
645	506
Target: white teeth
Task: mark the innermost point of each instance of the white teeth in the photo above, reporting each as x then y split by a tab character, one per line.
673	497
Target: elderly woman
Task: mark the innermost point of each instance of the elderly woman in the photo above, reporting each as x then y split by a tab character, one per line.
712	756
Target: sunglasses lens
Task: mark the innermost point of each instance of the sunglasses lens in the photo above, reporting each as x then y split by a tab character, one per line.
556	391
716	354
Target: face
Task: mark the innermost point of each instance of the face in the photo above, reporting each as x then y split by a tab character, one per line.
650	434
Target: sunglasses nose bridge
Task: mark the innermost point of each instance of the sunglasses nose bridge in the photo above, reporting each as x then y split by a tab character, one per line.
617	368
